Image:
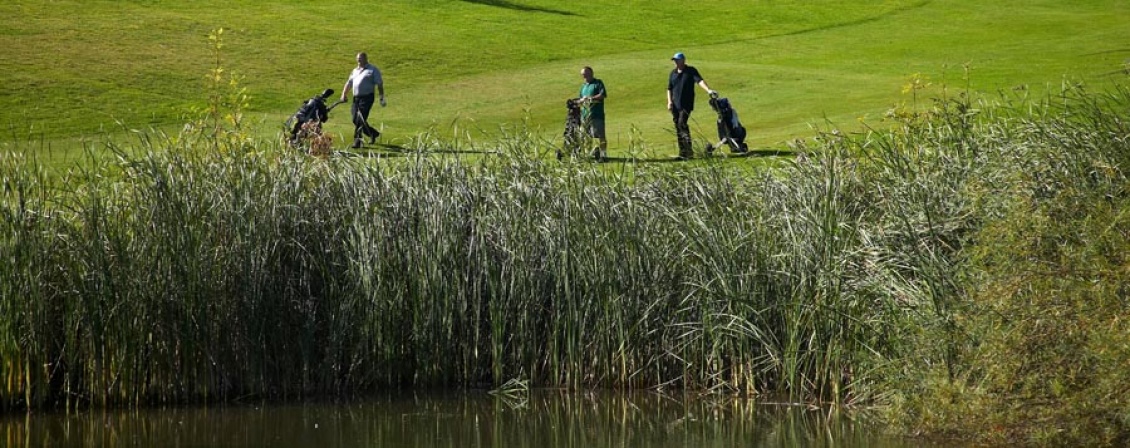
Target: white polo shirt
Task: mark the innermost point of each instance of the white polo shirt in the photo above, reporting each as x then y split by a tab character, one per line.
365	79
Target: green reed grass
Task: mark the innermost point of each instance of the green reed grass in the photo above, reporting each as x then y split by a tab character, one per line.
181	275
854	273
1036	343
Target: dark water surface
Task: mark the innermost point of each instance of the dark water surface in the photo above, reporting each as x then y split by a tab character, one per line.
465	419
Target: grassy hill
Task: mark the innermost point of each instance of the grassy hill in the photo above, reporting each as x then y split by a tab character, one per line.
74	69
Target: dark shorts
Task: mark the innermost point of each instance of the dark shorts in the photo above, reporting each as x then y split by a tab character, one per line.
596	128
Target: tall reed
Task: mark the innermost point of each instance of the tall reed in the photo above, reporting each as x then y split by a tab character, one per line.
1039	354
199	276
184	274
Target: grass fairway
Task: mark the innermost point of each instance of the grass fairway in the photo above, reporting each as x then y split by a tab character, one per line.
72	69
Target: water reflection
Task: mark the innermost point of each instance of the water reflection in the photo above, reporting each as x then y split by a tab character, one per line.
539	420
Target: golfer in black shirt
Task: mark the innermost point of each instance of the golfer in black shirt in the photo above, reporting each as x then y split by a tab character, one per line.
680	100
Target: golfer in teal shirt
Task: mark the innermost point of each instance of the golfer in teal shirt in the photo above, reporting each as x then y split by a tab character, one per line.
592	112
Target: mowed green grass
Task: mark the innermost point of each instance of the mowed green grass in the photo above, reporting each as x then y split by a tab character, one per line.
75	70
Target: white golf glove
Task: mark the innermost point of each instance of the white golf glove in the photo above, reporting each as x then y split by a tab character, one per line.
383	104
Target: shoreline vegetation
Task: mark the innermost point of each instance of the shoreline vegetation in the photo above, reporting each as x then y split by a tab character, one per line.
963	266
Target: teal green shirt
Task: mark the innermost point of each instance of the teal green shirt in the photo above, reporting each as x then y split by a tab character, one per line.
595	109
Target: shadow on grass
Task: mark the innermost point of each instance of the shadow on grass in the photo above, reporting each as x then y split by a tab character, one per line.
380	150
517	7
369	154
459	151
393	150
763	152
383	150
671	159
768	152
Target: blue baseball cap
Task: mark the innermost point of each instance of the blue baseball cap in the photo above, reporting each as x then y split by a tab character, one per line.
679	57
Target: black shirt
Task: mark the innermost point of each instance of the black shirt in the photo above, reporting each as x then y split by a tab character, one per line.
682	85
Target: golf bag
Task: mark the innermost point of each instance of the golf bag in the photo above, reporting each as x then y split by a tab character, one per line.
730	130
574	131
307	121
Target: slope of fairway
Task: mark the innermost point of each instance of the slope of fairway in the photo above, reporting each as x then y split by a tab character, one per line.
70	69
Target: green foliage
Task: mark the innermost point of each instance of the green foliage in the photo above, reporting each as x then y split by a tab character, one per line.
1041	355
220	125
207	275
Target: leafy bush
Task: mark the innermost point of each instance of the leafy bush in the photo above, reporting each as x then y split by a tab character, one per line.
1043	335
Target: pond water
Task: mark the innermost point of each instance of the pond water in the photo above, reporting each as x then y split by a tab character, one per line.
466	419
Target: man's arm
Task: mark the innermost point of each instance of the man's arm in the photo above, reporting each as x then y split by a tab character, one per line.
345	88
706	87
702	83
670	85
379	80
